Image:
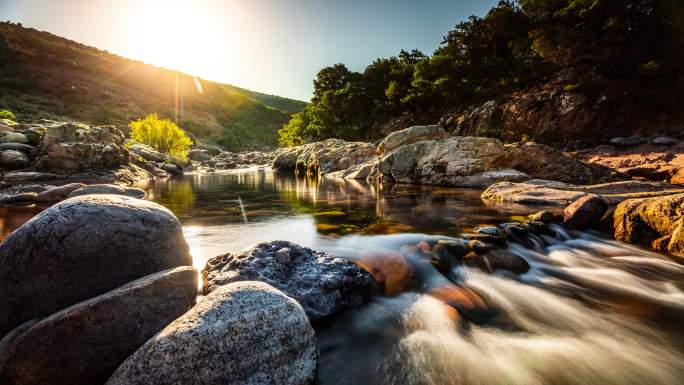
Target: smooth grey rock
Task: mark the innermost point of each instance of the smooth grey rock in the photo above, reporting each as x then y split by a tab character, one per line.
13	160
83	344
411	135
246	333
627	141
83	247
664	141
198	155
25	148
321	283
108	189
14	137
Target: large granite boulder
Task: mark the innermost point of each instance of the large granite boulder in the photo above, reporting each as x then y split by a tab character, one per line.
67	158
82	133
84	344
659	221
324	157
246	333
83	247
13	160
456	161
321	283
74	147
410	135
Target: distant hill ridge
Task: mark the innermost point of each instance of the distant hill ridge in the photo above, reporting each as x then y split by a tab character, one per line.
46	76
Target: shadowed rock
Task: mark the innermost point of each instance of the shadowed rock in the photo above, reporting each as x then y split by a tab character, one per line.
85	343
83	247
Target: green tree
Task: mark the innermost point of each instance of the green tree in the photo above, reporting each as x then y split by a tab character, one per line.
161	134
7	114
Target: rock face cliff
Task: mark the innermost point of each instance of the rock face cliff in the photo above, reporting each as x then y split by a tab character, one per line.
563	114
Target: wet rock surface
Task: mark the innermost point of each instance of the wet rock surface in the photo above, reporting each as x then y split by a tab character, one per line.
81	248
550	193
585	211
85	343
241	333
321	283
656	221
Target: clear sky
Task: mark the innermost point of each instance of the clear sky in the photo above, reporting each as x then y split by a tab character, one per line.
272	46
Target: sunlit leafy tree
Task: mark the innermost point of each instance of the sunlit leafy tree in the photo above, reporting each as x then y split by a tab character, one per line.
161	134
7	114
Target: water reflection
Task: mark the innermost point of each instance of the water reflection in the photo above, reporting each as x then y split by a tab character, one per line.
314	212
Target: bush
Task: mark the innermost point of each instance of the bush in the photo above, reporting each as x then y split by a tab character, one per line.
7	114
161	134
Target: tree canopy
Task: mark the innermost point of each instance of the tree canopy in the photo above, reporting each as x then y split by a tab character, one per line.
515	45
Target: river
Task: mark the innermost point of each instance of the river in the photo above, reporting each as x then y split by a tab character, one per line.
589	311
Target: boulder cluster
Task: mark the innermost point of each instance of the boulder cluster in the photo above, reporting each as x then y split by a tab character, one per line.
103	292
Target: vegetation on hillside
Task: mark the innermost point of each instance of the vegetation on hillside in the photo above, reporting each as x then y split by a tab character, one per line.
517	44
45	76
161	134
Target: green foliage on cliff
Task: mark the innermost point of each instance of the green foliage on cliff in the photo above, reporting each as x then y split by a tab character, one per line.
161	134
517	44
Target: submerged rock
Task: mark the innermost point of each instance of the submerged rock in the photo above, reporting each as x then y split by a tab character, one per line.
241	333
83	247
321	283
85	343
109	189
644	221
495	260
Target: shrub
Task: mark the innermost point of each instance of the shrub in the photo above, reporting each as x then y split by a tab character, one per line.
7	114
161	134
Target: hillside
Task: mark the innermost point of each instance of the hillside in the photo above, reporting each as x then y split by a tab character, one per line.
570	73
46	76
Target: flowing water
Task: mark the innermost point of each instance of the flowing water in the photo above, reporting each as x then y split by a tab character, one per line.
589	311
